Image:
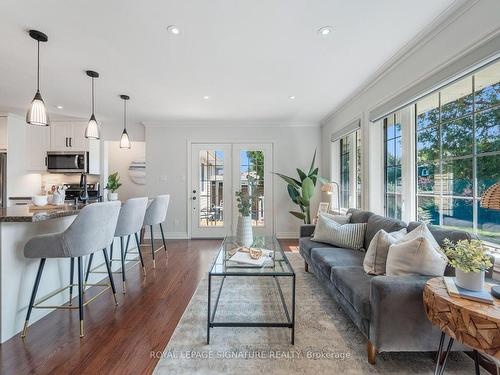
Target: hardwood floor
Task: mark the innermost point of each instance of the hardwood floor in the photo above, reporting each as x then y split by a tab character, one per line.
118	339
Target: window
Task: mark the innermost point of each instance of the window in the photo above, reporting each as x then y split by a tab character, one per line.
345	145
392	166
458	153
350	170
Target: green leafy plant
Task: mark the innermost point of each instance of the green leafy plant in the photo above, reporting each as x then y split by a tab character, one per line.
245	197
468	256
301	190
113	182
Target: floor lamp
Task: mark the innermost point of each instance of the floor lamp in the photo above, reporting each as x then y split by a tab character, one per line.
328	188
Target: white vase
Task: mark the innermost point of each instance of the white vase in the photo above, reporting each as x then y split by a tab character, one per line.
244	235
112	196
469	280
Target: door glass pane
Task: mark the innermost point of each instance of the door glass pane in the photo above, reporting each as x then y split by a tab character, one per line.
428	111
487	86
457	177
456	99
428	209
457	137
488	130
457	213
252	181
488	224
211	188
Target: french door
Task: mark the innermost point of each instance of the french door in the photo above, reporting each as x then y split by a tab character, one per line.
217	172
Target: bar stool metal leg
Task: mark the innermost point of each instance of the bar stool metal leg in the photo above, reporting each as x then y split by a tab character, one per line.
111	253
71	274
153	246
126	246
140	254
33	296
110	274
476	362
122	253
163	239
80	293
89	264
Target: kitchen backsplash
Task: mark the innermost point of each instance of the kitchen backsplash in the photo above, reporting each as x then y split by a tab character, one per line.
49	179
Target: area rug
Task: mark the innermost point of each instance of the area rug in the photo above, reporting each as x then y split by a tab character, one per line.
326	341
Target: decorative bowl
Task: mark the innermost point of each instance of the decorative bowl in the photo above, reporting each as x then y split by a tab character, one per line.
40	200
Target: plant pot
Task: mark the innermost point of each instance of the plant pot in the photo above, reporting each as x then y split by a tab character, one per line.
112	196
469	280
244	233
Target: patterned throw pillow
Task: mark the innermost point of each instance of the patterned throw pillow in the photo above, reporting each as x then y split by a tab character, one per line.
376	255
350	236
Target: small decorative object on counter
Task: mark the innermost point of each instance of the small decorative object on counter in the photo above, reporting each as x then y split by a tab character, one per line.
40	200
59	195
112	186
244	232
470	260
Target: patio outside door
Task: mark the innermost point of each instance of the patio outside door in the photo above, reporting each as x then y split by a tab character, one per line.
217	172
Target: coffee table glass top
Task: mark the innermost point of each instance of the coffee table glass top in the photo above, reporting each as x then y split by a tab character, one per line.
277	265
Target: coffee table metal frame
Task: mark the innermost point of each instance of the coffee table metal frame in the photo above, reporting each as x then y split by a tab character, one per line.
236	270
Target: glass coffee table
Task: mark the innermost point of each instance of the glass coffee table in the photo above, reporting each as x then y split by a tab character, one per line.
276	267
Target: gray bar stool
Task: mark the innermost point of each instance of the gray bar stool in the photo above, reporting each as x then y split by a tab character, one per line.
92	230
156	214
129	224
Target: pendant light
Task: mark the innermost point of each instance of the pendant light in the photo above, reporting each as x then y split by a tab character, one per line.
124	140
92	130
37	113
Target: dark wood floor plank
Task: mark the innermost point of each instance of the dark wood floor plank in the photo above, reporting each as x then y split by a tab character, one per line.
118	339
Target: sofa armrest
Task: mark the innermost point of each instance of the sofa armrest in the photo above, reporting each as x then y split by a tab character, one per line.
398	318
306	230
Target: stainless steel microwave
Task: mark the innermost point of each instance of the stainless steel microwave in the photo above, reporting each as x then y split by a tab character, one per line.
67	161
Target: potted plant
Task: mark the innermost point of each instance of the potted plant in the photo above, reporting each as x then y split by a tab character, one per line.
112	186
244	233
470	260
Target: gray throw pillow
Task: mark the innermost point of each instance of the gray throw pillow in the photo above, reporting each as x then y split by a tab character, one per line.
376	255
350	236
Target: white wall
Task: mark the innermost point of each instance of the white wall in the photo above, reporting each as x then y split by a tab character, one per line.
167	164
119	160
460	32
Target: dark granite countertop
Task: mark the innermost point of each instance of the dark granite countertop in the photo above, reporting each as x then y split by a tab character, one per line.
23	214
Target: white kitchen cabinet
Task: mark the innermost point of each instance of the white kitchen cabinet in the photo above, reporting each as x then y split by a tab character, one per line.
37	145
68	136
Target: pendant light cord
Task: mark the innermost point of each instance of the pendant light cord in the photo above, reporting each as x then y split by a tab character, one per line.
92	95
125	115
38	68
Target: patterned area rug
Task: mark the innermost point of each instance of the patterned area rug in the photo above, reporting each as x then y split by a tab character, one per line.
326	342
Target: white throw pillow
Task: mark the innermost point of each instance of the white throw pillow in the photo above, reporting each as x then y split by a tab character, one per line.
417	253
341	219
350	236
376	256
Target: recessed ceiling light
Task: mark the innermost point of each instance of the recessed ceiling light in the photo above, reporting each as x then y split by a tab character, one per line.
172	29
59	107
291	97
206	97
325	30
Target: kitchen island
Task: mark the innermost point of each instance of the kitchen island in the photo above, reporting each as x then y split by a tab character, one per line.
17	274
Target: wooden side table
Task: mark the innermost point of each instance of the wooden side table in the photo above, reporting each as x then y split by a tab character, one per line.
474	324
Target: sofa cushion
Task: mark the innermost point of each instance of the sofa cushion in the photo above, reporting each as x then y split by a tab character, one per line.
339	235
440	233
306	244
358	216
355	285
326	258
376	254
377	222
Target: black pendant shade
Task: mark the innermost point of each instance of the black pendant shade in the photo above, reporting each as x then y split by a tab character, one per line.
92	130
124	140
37	113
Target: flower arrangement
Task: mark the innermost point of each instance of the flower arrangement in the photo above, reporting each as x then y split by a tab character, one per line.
467	256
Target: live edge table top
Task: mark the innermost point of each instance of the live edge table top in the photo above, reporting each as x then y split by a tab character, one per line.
474	324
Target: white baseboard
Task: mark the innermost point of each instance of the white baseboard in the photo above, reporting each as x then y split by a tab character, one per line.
287	235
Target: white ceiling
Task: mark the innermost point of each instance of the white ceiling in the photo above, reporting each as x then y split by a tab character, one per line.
249	56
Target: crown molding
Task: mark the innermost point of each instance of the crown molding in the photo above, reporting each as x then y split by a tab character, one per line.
430	32
227	124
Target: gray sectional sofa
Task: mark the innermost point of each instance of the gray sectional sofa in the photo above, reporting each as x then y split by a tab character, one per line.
388	310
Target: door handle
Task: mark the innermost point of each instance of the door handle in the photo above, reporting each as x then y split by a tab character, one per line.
76	161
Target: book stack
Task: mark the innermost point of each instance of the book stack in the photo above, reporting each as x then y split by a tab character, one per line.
455	291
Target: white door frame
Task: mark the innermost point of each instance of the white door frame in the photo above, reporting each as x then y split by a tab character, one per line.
191	141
